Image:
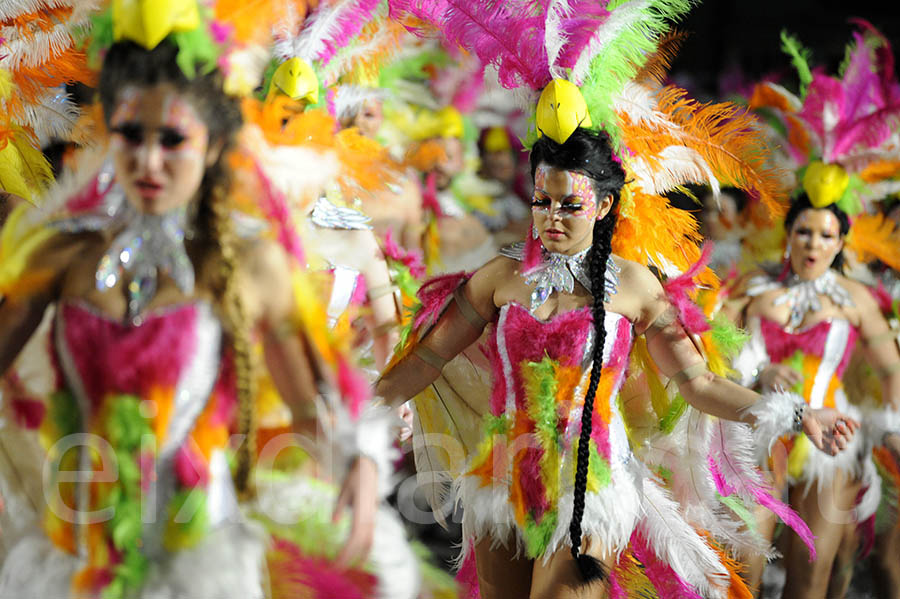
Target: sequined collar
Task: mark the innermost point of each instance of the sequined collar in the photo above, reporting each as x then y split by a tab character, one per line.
148	245
802	296
558	272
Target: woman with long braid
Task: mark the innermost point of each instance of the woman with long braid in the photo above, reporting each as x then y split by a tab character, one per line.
554	496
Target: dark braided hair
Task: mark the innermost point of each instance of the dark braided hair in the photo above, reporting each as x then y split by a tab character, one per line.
801	204
591	154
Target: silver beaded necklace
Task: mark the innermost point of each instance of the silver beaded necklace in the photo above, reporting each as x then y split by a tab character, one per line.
558	272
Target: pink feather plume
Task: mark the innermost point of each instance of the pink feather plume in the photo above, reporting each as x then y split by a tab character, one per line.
677	289
412	259
274	205
498	34
733	469
352	18
667	583
434	295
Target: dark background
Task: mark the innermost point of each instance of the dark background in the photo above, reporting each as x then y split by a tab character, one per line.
732	43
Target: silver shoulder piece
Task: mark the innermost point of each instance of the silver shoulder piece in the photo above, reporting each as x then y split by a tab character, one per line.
328	216
516	251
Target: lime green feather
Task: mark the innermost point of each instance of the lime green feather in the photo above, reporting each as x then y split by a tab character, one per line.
620	58
800	56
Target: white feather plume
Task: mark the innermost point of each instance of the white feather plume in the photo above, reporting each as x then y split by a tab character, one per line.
52	118
31	51
674	542
685	453
10	9
674	166
554	39
624	17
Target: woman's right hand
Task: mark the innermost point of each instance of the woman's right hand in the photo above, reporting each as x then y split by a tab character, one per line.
778	376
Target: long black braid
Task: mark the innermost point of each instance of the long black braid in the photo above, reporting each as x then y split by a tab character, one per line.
589	153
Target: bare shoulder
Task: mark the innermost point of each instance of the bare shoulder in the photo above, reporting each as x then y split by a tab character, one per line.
264	274
636	277
859	292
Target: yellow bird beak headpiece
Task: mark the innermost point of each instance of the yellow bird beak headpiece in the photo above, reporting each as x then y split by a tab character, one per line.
148	22
497	140
296	79
450	122
561	109
824	183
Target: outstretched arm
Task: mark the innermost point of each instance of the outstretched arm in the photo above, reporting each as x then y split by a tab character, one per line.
679	359
457	328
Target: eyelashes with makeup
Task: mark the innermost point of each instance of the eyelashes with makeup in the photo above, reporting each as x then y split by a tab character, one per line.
544	203
134	135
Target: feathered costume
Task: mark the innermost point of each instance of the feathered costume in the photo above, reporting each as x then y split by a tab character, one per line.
839	136
156	395
668	488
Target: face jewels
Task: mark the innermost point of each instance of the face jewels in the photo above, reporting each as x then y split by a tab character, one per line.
181	119
575	190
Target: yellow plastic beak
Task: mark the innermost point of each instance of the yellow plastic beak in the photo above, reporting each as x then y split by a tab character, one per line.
824	183
561	109
148	22
296	79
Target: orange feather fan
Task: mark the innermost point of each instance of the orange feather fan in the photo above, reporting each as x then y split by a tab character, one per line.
873	236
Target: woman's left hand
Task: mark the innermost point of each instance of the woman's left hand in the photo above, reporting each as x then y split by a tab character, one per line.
828	429
360	493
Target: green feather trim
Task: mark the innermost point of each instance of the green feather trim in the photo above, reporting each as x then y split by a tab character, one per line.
538	535
736	505
411	68
796	362
849	201
496	425
800	56
188	520
540	386
727	337
676	409
64	414
620	59
196	49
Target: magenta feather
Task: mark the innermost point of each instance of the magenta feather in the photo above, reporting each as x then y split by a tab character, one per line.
429	196
533	254
434	295
733	469
509	41
467	577
353	17
677	289
469	91
412	259
353	386
667	583
275	207
429	11
497	34
579	27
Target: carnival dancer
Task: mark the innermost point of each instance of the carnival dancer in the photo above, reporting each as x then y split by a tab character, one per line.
554	493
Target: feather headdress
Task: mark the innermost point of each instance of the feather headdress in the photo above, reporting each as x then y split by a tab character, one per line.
664	139
841	131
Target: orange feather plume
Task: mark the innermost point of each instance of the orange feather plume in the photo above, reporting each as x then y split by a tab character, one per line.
252	20
872	236
657	66
726	136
